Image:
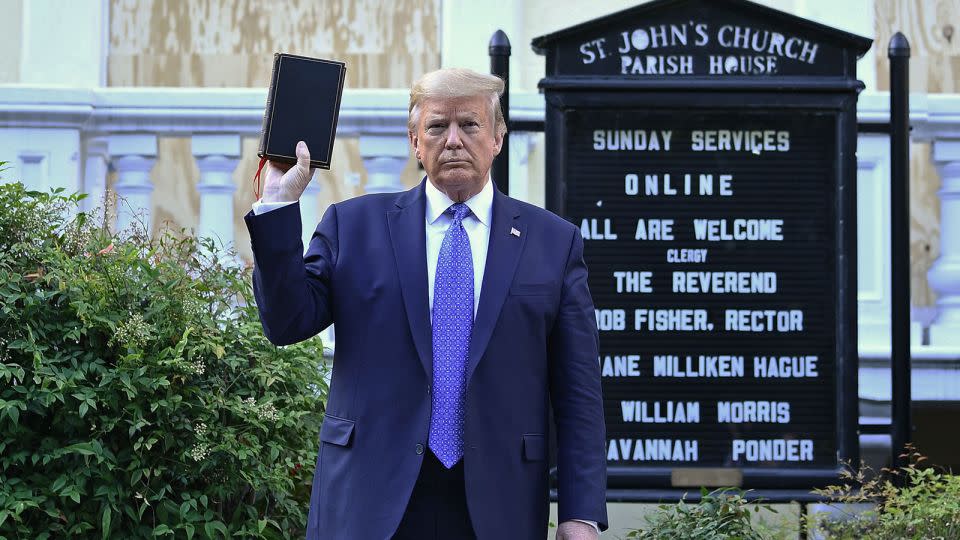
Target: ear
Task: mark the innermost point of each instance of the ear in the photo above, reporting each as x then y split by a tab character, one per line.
497	143
414	140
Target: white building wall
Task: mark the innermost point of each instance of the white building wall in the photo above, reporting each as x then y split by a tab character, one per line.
64	43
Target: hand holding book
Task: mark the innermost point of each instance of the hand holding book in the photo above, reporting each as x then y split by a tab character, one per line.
286	182
303	103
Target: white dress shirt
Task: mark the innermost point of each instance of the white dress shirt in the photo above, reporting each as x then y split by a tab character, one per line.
477	225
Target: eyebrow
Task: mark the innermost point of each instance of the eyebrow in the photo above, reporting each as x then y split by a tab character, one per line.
466	115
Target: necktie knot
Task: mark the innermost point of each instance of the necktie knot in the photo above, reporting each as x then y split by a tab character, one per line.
458	211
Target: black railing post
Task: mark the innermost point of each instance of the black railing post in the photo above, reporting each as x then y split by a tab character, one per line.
899	55
500	66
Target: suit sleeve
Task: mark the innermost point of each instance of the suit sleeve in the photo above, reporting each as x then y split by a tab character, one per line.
577	399
293	290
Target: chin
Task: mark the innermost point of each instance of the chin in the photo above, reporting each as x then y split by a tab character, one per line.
457	181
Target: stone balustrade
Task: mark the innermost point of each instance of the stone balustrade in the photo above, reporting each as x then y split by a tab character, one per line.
62	137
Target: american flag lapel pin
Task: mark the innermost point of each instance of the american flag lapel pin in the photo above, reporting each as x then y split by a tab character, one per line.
514	232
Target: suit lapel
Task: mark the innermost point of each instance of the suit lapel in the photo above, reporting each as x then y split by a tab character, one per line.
408	236
503	254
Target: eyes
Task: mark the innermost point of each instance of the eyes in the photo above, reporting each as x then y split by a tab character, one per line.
437	127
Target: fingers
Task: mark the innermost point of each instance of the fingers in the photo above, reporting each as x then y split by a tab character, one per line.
303	156
275	169
285	181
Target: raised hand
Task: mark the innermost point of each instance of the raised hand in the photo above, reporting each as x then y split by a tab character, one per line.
285	182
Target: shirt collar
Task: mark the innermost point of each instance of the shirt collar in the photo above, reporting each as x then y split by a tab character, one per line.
480	204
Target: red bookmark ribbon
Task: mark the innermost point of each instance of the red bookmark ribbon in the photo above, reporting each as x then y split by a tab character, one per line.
256	179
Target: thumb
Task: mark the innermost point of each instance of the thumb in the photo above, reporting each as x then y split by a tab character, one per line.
303	156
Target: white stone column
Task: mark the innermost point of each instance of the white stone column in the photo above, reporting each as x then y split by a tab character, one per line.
521	143
944	276
217	157
133	157
873	242
64	43
309	217
96	165
384	157
475	22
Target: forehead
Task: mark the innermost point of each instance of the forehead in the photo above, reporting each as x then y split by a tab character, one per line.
462	106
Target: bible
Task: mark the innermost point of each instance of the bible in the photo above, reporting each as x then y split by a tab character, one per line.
303	104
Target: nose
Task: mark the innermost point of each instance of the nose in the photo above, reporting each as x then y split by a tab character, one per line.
453	138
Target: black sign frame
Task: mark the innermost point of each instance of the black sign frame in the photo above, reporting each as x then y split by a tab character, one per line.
839	104
834	95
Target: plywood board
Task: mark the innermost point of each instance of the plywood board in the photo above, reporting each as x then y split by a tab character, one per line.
230	43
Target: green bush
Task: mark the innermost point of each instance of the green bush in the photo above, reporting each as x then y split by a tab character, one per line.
923	504
138	396
719	515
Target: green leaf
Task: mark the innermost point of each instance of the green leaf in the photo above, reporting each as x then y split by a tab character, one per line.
212	526
58	484
105	522
81	448
189	530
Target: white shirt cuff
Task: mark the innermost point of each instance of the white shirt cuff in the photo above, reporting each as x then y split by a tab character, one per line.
260	207
591	523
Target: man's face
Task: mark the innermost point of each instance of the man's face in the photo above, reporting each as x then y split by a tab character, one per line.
456	141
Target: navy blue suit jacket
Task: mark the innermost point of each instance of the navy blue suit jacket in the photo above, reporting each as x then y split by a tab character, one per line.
534	345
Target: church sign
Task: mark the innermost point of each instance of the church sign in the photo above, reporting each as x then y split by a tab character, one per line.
706	150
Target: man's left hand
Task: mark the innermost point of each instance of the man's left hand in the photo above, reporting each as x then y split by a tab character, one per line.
576	530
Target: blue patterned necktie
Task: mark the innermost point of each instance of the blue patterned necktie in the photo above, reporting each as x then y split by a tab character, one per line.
452	328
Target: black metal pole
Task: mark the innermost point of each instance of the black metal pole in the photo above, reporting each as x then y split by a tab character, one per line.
803	521
899	55
500	66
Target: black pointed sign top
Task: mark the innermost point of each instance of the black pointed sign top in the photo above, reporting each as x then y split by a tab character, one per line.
899	46
499	43
701	38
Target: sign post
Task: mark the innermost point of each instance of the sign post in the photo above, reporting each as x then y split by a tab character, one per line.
706	149
899	54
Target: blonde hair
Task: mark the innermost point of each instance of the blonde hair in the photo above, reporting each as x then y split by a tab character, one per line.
453	83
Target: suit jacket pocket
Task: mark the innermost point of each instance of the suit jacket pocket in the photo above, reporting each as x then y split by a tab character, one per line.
531	289
534	447
335	430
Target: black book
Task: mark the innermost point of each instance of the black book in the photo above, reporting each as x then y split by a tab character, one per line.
302	105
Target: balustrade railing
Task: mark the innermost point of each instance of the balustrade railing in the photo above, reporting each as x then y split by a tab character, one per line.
72	137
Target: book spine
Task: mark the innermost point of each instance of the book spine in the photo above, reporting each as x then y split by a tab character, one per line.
268	108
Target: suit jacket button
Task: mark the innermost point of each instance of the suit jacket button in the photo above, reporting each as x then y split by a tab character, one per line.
419	449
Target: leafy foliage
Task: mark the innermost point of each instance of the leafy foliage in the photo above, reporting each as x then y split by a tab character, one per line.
139	397
915	502
720	515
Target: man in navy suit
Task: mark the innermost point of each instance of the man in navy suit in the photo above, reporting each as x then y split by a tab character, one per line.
462	316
